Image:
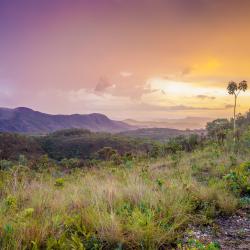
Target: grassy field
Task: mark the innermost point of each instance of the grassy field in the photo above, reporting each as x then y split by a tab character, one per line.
140	204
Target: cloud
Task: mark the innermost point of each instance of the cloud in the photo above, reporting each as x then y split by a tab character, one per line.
181	107
103	84
124	86
206	97
184	107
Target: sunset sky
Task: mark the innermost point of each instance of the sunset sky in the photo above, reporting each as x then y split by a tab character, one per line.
141	59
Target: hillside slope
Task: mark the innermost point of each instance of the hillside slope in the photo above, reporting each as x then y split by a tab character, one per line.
25	120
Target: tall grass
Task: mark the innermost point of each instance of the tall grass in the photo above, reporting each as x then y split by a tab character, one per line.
145	206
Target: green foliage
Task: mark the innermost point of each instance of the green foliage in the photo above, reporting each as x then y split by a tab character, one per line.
5	164
246	137
245	201
106	153
116	159
43	162
70	163
10	202
82	144
197	245
239	179
28	212
218	129
59	182
160	182
22	160
8	229
13	145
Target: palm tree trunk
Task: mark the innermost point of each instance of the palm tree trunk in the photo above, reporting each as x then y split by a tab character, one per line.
235	102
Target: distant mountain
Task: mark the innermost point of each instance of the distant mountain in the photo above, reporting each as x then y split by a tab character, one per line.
184	123
159	134
25	120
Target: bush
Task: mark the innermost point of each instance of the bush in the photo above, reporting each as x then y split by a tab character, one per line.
10	202
70	163
5	165
238	179
59	182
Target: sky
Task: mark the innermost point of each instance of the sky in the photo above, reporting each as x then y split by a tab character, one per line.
139	59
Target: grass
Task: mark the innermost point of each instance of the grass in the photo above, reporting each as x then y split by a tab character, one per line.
147	205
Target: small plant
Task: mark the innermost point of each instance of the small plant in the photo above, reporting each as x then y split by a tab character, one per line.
28	212
245	201
125	209
195	244
160	182
8	229
5	165
233	160
10	202
176	158
116	159
239	179
22	160
70	163
128	164
59	182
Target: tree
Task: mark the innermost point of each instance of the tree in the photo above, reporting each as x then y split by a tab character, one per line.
106	153
234	89
218	128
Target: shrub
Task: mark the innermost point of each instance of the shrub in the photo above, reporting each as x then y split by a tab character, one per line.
70	163
239	179
5	165
106	153
59	182
28	212
10	202
22	160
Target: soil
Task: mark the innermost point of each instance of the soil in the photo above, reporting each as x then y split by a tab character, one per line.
230	232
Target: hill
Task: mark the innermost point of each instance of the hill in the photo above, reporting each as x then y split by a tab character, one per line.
25	120
83	144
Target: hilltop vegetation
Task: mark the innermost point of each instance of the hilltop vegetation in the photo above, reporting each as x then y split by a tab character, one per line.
85	145
122	200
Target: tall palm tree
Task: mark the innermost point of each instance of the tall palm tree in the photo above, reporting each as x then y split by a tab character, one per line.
234	89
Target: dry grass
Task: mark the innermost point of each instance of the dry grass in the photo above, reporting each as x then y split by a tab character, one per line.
146	206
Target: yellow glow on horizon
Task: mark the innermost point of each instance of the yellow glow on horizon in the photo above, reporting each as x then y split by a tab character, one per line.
179	88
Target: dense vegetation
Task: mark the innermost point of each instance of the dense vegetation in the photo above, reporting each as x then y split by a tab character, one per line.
128	197
85	145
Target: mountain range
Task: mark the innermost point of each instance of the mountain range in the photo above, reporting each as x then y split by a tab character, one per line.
25	120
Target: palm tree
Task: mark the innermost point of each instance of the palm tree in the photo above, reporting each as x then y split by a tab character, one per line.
234	89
